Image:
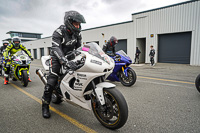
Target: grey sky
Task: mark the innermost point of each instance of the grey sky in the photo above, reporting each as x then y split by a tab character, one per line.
44	16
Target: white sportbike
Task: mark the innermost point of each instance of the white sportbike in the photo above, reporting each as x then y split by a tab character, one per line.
86	87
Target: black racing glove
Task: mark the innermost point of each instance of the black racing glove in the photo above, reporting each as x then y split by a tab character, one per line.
70	55
32	59
72	65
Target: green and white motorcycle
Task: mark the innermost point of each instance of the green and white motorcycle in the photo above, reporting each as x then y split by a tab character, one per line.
19	67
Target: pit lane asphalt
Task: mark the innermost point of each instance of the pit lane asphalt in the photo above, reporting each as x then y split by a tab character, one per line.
164	99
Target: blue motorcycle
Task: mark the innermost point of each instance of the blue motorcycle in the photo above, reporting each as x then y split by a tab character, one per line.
122	73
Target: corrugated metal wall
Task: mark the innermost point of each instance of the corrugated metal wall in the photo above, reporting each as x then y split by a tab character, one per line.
174	19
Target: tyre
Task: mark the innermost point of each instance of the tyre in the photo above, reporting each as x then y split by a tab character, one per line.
197	82
55	98
114	113
130	80
24	80
1	71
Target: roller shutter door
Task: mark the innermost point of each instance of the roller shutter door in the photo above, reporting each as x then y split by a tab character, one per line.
122	45
174	48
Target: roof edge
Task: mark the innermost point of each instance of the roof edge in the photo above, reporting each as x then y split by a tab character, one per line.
107	25
164	7
22	32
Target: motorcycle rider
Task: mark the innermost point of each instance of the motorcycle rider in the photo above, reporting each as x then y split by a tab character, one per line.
109	47
65	39
14	47
5	44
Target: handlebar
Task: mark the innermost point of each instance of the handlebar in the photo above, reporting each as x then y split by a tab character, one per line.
79	64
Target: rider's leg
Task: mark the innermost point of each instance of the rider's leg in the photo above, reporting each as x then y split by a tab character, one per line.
6	73
52	81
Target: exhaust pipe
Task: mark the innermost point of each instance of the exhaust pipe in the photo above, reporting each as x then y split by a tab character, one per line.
41	75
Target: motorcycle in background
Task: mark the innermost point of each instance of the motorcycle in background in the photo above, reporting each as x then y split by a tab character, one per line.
86	86
197	82
122	73
19	67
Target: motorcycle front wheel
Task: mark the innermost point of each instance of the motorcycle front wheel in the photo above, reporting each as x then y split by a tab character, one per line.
130	80
197	82
114	113
1	70
24	80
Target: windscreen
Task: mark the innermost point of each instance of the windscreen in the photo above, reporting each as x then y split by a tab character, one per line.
121	52
94	49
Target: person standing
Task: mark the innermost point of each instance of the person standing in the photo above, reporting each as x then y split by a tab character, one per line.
151	55
137	54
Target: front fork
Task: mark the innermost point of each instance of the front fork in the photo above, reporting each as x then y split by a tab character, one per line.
98	90
124	71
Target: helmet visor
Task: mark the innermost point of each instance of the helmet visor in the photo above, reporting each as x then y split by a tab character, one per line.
16	44
79	18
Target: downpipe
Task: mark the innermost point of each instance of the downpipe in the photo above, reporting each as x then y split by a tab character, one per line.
41	75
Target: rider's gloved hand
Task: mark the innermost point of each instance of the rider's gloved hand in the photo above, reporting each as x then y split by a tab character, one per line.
72	65
71	56
32	59
7	59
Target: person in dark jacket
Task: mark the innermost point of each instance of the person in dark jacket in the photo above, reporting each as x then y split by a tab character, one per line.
109	47
137	54
65	39
2	49
151	55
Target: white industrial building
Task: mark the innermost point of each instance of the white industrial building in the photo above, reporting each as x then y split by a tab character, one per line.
174	31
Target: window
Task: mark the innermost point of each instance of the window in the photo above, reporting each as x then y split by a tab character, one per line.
14	34
29	35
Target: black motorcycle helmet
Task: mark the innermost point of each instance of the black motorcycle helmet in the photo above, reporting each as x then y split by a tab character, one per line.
5	43
113	41
73	16
16	42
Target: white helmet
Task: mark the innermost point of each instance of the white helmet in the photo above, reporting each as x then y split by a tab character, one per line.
5	43
15	40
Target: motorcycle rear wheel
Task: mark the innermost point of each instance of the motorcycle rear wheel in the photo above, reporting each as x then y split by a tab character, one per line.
197	82
114	113
24	80
1	70
130	80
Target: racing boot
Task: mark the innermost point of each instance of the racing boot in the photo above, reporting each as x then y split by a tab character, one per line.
45	109
5	81
29	80
46	99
